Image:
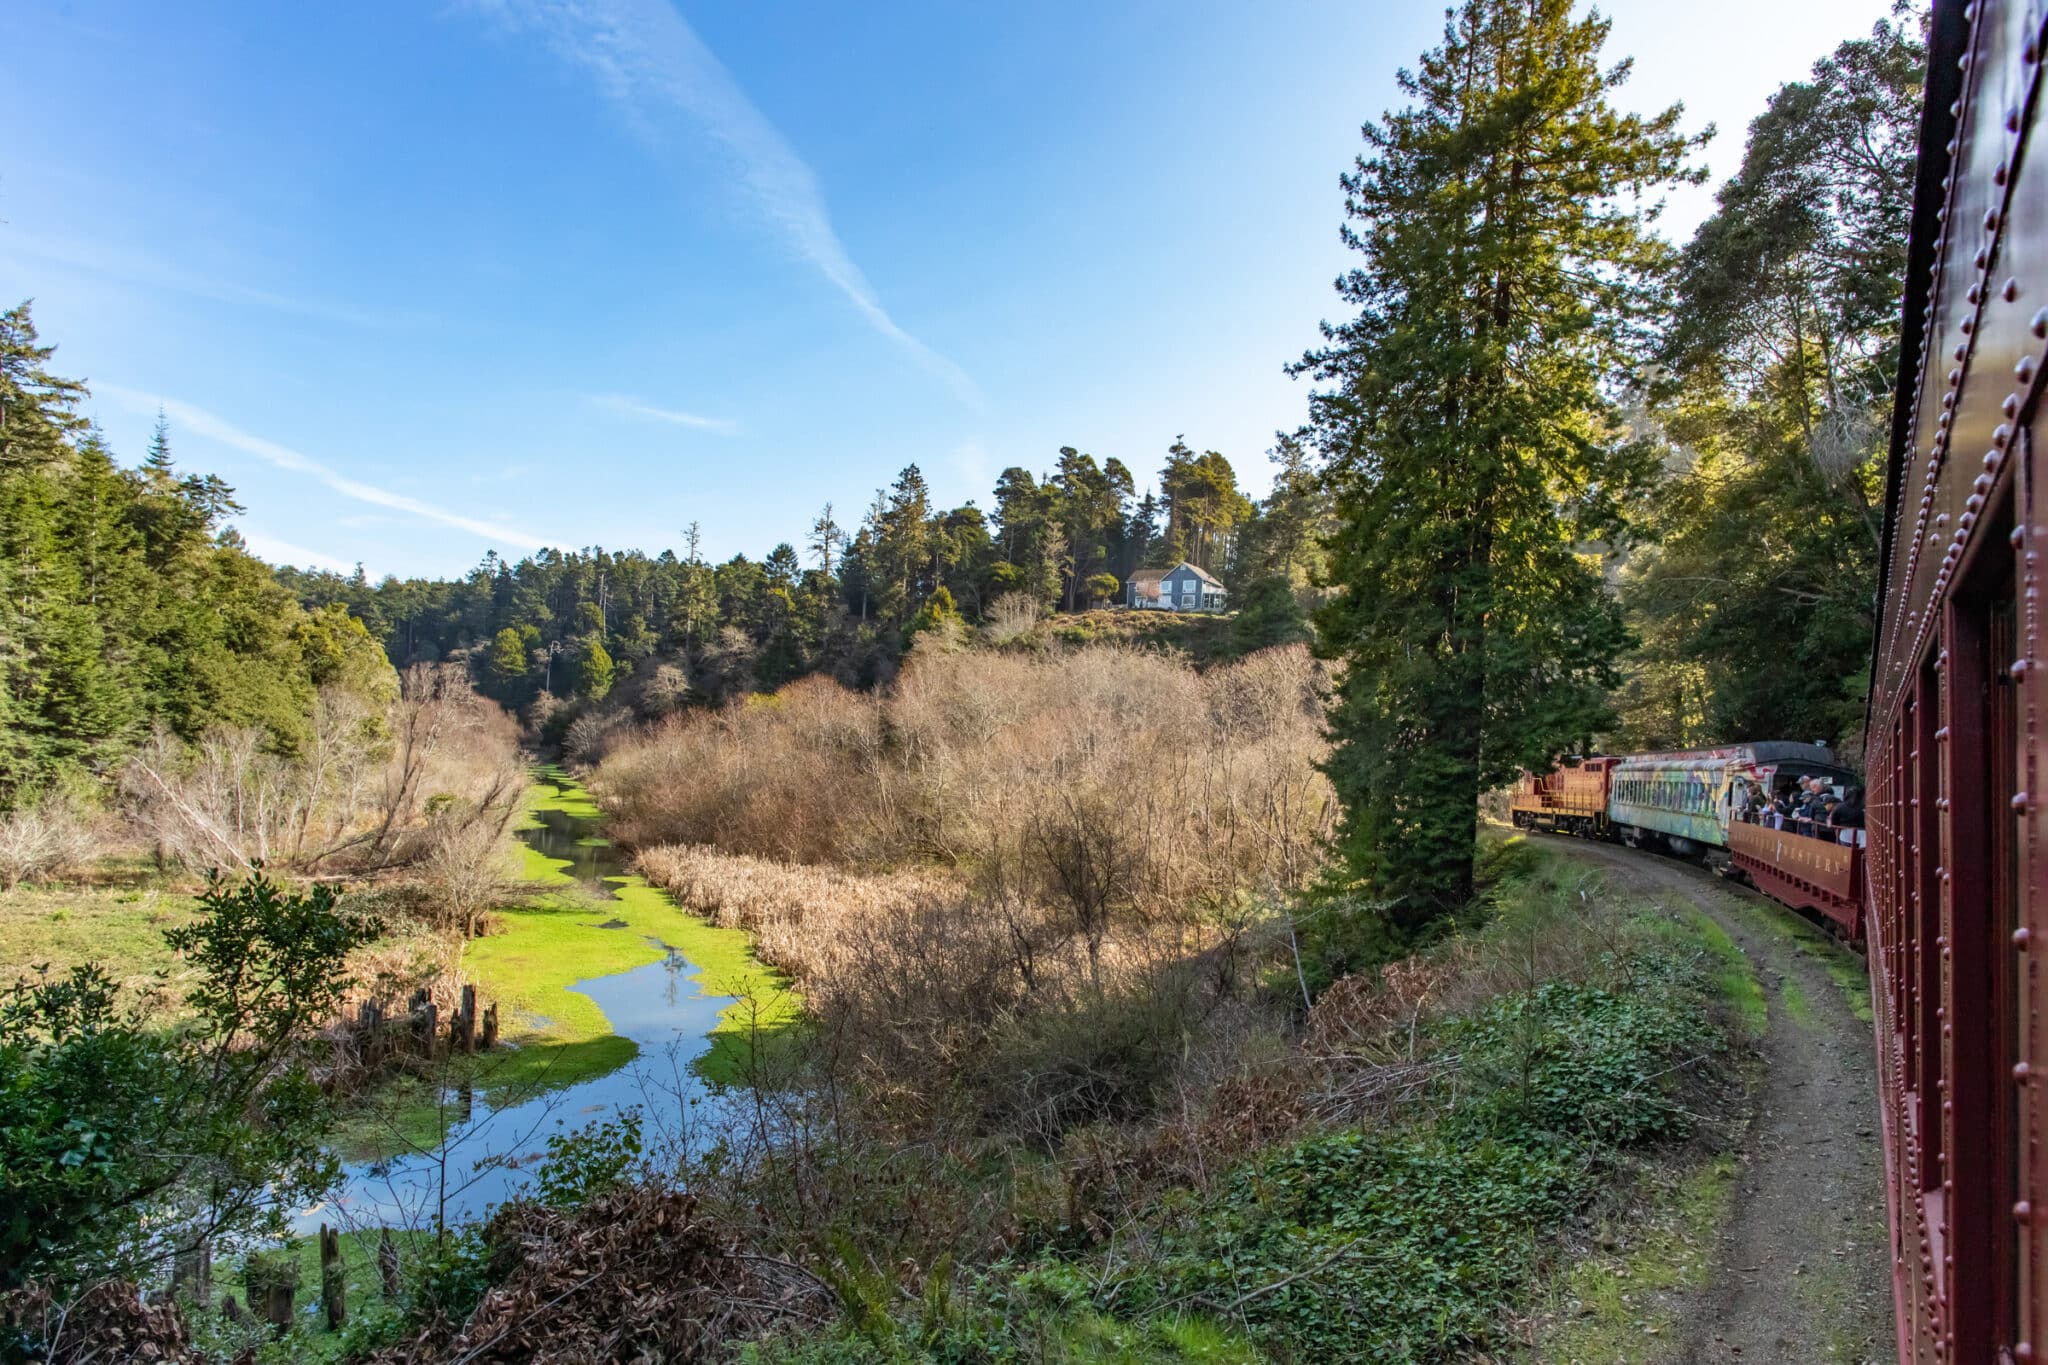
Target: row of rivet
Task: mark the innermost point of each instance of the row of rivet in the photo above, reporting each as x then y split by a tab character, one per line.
1976	295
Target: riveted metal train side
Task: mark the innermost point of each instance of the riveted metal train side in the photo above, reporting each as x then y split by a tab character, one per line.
1957	871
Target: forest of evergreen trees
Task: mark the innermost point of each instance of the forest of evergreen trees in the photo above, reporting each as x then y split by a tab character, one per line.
569	624
128	606
132	605
1731	472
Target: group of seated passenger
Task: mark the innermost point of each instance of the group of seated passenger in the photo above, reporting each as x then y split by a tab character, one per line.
1807	805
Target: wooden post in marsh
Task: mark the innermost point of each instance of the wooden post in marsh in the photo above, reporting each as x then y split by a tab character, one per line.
427	1031
277	1306
462	1036
370	1023
387	1266
192	1273
490	1028
333	1280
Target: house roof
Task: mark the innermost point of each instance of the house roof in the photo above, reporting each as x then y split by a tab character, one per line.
1197	570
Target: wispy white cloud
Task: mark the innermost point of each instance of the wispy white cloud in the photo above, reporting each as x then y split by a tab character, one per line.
136	267
971	462
649	61
203	423
284	552
633	407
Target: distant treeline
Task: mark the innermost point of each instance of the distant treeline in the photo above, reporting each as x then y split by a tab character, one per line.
568	624
127	607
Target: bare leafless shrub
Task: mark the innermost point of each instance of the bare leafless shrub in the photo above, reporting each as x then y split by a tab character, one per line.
1209	781
466	866
666	691
586	739
41	839
725	665
1011	615
360	798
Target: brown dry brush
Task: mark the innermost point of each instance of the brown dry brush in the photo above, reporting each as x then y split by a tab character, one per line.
374	789
636	1275
995	845
1215	772
109	1324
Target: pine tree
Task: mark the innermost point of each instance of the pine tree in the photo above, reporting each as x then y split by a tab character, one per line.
594	669
38	410
825	537
1470	432
157	465
505	669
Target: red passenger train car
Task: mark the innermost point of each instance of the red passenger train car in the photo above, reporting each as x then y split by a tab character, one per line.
1956	868
1687	803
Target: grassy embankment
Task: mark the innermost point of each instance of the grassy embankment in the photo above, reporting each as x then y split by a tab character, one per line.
1534	1082
116	918
1203	637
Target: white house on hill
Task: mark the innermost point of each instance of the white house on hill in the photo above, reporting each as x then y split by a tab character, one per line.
1180	588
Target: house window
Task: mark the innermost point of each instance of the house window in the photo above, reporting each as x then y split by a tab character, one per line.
1187	599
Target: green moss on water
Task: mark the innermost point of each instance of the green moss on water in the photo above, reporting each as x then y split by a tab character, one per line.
538	868
559	1036
555	790
543	950
764	1007
532	965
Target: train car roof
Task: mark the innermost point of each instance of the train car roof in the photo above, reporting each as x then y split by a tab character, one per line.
1947	39
1777	752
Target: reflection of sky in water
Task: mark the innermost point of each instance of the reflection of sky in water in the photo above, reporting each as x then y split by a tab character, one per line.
490	1154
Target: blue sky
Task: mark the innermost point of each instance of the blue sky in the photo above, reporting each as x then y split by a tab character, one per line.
423	280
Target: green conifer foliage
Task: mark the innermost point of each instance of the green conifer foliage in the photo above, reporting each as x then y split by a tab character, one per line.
124	603
594	669
1507	280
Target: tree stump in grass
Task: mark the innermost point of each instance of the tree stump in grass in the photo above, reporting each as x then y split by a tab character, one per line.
271	1278
490	1028
278	1301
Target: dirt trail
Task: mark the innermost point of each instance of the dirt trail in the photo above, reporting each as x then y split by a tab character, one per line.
1799	1274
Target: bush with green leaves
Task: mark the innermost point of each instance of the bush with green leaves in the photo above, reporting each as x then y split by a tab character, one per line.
585	1163
1401	1244
125	1140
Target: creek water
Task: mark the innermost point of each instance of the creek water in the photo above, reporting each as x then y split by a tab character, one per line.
465	1154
